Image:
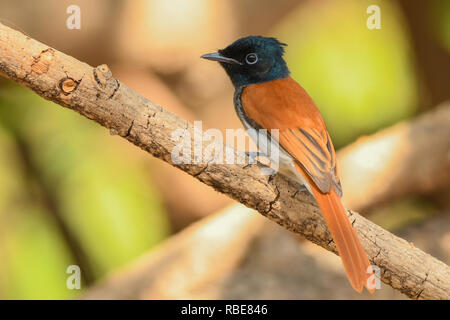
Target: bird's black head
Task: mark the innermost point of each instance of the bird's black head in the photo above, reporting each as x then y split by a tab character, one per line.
251	60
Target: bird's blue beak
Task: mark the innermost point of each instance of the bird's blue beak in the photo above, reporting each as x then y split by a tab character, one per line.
218	57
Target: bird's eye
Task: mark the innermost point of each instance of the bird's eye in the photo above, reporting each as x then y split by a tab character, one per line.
251	58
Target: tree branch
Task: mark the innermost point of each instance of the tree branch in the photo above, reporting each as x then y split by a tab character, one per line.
97	95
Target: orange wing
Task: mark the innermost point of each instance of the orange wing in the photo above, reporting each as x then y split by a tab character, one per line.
283	104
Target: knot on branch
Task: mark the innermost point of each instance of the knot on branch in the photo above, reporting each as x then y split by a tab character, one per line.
105	80
68	85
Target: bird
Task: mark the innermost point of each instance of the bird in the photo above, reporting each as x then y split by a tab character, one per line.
267	97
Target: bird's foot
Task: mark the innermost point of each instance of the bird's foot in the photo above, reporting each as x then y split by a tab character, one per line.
301	188
252	155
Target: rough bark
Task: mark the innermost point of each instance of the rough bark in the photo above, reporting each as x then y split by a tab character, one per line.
97	95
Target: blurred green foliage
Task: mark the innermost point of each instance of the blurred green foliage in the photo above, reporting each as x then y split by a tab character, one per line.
55	162
441	19
360	79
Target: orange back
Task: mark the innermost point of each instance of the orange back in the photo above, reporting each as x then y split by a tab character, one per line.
283	104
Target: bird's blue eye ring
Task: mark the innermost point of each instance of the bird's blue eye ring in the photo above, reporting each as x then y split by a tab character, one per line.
251	58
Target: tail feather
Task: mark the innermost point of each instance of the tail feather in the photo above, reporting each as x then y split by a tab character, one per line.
348	245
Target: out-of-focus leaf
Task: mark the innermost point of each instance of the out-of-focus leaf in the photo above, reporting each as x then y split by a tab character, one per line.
33	255
36	259
441	18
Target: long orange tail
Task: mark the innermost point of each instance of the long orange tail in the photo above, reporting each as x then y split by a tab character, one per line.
349	247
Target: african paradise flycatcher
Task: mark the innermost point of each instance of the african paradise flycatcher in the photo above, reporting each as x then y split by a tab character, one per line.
266	97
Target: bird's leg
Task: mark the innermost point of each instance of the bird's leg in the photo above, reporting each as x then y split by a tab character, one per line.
301	188
252	155
265	169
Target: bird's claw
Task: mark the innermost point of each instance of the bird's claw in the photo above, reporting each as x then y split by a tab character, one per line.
252	155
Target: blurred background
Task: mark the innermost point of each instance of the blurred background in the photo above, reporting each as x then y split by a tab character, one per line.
72	194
